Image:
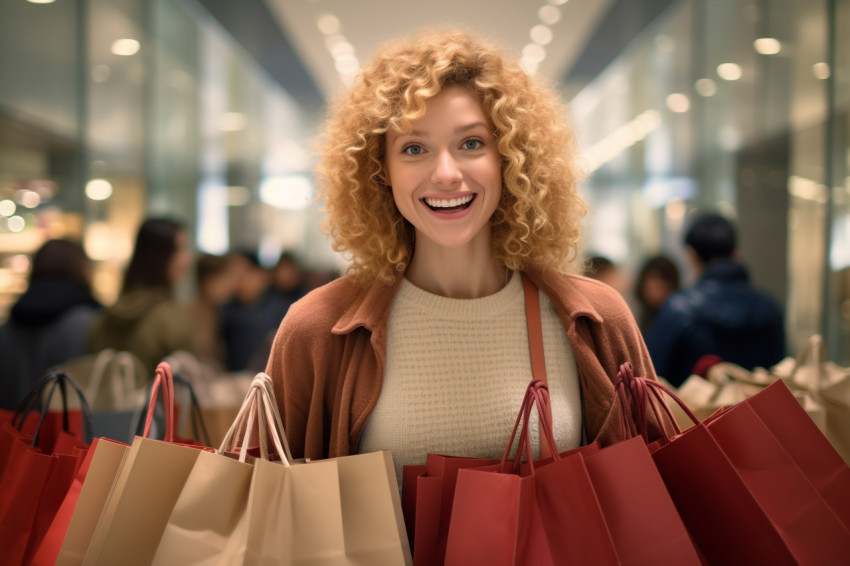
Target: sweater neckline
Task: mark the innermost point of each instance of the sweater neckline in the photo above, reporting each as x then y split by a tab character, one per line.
448	308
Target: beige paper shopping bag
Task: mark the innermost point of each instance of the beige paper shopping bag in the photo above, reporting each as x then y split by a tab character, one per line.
208	524
103	469
371	511
140	502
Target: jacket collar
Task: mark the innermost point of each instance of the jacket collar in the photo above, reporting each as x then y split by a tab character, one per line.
370	306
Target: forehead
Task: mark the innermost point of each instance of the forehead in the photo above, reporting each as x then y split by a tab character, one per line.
452	106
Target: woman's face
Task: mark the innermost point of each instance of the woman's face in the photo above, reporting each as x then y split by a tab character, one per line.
445	172
181	261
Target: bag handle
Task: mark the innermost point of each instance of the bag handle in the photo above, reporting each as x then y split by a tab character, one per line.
164	380
538	361
33	402
635	394
537	393
259	404
199	425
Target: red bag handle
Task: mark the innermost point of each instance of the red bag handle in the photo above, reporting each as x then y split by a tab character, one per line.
538	361
635	394
165	380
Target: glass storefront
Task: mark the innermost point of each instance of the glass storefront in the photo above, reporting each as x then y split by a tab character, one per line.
741	108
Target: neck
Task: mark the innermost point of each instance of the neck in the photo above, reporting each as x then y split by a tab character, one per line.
461	273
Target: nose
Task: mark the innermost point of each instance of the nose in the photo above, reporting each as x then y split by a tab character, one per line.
446	170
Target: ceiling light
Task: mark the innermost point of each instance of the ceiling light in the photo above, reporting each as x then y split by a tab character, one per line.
41	1
347	64
341	49
28	199
529	66
16	224
100	73
678	102
549	14
767	46
98	189
557	2
541	34
7	207
729	71
125	47
328	24
534	52
820	70
705	87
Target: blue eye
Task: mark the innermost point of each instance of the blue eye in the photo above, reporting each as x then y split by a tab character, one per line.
472	144
413	149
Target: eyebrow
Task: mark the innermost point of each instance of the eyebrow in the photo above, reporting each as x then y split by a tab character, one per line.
458	130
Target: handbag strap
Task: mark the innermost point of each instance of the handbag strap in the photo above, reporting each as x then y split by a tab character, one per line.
535	343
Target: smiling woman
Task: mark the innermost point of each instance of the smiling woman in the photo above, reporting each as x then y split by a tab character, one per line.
446	170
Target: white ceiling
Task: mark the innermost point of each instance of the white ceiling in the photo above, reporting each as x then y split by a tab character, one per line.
368	23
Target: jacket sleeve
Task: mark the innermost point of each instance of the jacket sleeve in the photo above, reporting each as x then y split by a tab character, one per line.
300	366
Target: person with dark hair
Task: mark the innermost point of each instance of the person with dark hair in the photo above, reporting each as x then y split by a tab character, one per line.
657	278
722	315
146	319
216	278
601	268
50	322
254	312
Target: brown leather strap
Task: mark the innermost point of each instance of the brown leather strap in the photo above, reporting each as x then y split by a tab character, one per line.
535	342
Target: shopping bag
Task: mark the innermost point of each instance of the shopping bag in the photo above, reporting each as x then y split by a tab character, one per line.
144	490
740	492
727	384
114	383
51	543
208	524
37	474
828	383
106	458
339	511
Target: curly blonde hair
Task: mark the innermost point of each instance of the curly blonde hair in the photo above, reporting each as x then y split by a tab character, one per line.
537	222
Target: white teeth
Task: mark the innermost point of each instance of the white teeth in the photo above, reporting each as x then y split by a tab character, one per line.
448	203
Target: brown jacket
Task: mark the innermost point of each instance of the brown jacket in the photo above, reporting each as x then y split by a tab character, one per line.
327	361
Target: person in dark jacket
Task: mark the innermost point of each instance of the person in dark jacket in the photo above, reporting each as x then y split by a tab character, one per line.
49	323
721	315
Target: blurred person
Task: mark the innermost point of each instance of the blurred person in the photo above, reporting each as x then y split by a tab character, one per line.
603	269
448	172
288	277
216	278
657	279
146	319
254	312
721	315
49	324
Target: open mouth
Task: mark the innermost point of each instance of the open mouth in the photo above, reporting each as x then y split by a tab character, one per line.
449	205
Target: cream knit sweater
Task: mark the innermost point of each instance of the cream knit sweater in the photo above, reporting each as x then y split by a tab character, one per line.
456	373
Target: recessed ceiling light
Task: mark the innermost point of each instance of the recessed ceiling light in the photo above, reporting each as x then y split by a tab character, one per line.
729	71
125	47
767	45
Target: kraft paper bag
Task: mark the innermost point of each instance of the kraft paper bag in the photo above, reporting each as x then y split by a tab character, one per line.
140	502
103	469
204	526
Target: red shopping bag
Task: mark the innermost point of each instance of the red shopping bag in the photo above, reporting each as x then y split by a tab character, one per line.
740	492
495	519
51	543
35	477
590	505
427	495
